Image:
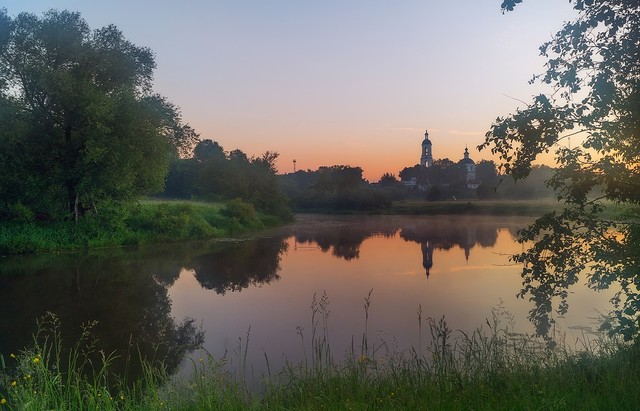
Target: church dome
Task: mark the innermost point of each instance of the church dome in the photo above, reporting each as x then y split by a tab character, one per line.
466	159
426	141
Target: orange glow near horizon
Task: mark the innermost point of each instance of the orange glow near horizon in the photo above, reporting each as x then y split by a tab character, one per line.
337	83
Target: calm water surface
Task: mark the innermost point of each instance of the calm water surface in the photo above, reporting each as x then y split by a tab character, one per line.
455	267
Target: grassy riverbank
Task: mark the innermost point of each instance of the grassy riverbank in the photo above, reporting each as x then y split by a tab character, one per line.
488	369
479	207
525	208
145	222
531	208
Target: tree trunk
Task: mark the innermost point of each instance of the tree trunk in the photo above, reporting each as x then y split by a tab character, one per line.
75	208
73	200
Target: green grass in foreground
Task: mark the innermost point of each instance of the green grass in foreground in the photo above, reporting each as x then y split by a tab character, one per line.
488	369
146	222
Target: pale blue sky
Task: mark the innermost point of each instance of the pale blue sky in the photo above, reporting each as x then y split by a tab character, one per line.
336	82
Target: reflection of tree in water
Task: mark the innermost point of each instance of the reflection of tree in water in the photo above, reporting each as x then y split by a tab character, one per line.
125	291
344	239
442	232
117	289
233	266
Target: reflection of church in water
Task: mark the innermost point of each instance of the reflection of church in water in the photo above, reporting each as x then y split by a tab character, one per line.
447	235
427	248
433	234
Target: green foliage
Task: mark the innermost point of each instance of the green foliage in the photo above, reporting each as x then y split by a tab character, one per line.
208	149
593	68
51	375
215	175
79	124
123	224
241	210
487	368
336	188
388	179
20	212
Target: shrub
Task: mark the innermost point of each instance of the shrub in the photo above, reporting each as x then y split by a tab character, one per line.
20	212
240	209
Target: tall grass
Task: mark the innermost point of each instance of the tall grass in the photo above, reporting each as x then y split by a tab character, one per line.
146	222
489	368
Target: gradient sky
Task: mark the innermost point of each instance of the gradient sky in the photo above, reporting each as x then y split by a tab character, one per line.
336	81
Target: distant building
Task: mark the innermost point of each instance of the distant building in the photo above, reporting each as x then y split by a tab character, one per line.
412	183
470	167
426	159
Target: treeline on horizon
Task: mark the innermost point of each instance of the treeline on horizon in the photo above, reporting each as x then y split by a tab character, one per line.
343	187
213	174
83	133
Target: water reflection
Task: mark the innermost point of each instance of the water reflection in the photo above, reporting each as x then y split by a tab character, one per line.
237	265
446	233
118	289
343	237
137	294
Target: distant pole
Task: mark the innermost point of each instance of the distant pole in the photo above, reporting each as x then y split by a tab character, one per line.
294	165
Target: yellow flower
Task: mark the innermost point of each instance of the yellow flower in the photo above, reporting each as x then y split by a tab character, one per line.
13	383
36	360
12	355
3	401
121	397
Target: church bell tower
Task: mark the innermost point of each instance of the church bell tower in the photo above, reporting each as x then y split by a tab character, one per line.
426	159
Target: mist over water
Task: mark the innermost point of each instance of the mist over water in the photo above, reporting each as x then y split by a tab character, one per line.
452	266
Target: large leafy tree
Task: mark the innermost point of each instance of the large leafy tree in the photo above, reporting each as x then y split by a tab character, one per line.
593	67
79	121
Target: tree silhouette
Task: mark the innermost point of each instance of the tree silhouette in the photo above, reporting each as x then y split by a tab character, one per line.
594	70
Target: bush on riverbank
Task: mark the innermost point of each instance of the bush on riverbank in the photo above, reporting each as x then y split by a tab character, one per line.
490	368
147	222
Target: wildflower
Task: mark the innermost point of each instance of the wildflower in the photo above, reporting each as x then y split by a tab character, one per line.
36	360
12	355
121	397
3	401
13	383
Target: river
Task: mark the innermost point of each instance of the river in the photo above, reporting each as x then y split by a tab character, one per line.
257	292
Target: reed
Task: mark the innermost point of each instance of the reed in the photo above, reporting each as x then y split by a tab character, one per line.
489	368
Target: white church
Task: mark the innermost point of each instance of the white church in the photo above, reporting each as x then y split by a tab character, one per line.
426	160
